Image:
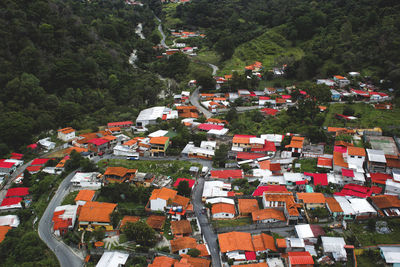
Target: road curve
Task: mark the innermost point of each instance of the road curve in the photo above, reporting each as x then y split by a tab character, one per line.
63	253
162	33
208	233
194	99
214	68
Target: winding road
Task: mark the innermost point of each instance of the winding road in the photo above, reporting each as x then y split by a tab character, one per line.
65	255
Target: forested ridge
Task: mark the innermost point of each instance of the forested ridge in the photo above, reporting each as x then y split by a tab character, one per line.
65	63
336	36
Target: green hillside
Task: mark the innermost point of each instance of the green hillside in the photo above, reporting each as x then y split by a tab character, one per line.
270	48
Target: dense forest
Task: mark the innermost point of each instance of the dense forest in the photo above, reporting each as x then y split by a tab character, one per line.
65	63
334	36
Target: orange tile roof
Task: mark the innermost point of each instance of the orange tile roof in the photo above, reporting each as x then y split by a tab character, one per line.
219	99
186	108
119	171
3	231
66	130
263	242
85	195
310	198
181	227
281	243
161	140
223	208
68	151
130	142
182	243
333	205
193	262
114	129
162	261
96	212
181	201
109	137
343	143
247	205
228	76
287	197
203	250
296	142
260	264
356	151
268	165
322	107
324	161
266	214
214	120
300	258
126	219
163	193
386	201
280	100
338	160
235	241
155	221
241	140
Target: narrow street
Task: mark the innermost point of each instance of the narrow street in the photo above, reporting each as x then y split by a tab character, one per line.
194	99
64	254
206	228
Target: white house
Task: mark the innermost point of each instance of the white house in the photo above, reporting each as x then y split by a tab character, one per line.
87	180
334	246
355	157
392	187
113	259
66	134
211	145
223	211
215	189
47	144
150	116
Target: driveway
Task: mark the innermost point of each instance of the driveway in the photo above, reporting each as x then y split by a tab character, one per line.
207	231
64	254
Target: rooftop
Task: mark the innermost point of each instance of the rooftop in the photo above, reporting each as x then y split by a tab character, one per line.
96	212
247	205
181	227
233	241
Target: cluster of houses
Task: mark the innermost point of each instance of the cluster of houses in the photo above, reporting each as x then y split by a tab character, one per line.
365	92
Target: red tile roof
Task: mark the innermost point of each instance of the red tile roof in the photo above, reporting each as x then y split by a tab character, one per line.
17	192
247	155
190	181
225	174
6	165
320	179
347	173
98	141
119	124
10	201
39	162
209	126
325	162
269	188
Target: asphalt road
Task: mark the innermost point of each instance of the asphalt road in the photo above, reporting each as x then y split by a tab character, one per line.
194	99
64	254
206	230
12	178
162	33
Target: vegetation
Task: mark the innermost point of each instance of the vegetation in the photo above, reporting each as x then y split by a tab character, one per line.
313	39
65	63
367	237
172	168
232	223
141	233
184	189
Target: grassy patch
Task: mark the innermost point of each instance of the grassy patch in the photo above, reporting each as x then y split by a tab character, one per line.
367	116
208	56
232	223
369	238
169	20
307	165
173	168
70	198
266	48
167	230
